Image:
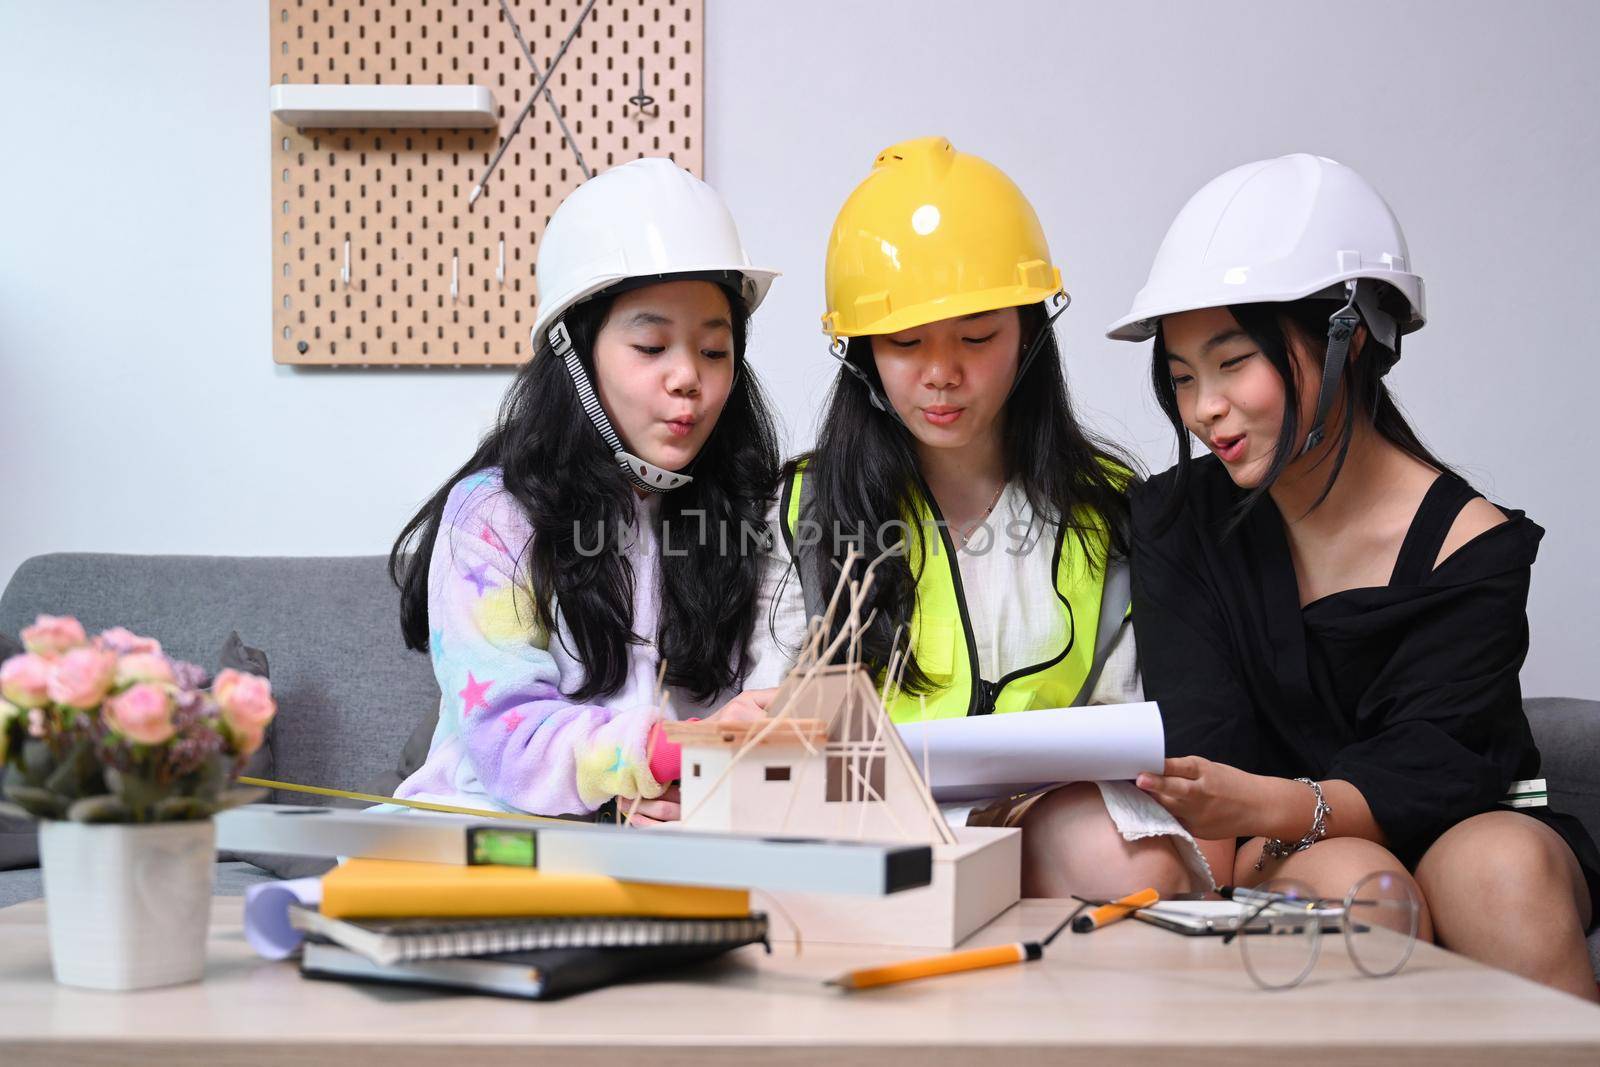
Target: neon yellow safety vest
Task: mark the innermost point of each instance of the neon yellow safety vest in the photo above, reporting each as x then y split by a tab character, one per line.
1094	601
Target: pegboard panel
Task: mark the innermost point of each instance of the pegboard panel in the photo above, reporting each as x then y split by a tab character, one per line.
629	85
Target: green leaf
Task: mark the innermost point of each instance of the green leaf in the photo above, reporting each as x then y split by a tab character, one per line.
38	802
233	798
138	793
177	809
35	761
13	731
14	811
98	809
77	773
211	776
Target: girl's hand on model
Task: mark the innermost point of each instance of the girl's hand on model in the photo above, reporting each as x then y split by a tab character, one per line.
1213	800
748	706
664	808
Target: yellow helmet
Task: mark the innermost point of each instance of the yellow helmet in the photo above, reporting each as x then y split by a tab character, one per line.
932	234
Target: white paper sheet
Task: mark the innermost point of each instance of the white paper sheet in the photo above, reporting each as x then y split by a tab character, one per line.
984	756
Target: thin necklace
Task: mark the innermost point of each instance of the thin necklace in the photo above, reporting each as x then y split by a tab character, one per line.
973	527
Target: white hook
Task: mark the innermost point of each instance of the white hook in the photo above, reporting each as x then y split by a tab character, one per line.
344	272
455	277
500	271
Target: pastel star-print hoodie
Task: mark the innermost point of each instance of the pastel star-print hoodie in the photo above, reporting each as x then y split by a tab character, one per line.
508	736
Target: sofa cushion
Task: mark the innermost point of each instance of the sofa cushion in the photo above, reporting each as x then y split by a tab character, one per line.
19	842
1567	732
412	757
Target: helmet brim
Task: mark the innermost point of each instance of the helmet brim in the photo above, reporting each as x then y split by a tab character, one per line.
956	306
1140	324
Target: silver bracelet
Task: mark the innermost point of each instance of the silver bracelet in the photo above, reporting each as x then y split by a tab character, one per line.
1278	849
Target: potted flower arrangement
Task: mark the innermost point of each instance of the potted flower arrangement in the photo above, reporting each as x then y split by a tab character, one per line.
124	754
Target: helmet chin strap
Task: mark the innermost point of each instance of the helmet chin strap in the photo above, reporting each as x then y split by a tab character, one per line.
1054	304
1361	302
644	475
837	348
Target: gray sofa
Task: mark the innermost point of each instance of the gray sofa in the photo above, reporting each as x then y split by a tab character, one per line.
350	695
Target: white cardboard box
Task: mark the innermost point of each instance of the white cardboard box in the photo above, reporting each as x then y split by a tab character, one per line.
973	881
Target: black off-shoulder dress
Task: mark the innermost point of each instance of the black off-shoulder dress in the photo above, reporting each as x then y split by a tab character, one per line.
1408	691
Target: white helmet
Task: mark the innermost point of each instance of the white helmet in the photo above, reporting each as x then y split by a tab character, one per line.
1280	230
1275	230
645	221
645	218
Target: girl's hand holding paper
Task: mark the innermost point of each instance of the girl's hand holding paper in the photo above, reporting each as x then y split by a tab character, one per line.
1213	800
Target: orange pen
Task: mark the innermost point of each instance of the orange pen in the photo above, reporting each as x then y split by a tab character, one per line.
974	959
1106	914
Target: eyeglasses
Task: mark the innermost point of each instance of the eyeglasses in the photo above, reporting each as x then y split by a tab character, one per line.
1281	936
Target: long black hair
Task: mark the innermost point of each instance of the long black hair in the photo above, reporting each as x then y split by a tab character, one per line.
868	481
556	465
1362	387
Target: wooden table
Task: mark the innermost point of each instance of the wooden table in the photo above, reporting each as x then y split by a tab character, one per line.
1127	994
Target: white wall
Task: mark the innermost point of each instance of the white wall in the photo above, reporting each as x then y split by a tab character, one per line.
140	409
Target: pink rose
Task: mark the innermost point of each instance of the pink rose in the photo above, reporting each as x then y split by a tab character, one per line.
82	678
246	743
38	724
123	641
247	706
25	680
144	667
51	635
142	713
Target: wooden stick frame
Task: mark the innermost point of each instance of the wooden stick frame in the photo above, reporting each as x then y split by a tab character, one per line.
816	653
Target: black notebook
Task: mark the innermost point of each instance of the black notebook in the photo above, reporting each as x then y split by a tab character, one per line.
398	940
544	975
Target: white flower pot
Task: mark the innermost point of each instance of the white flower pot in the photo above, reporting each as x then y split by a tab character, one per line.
128	905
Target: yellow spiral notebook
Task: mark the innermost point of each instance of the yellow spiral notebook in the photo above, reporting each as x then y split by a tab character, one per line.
387	889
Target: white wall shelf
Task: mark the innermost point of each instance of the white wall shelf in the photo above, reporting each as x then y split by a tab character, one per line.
385	106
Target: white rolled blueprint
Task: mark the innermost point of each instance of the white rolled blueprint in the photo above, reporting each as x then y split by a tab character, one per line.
983	756
266	915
